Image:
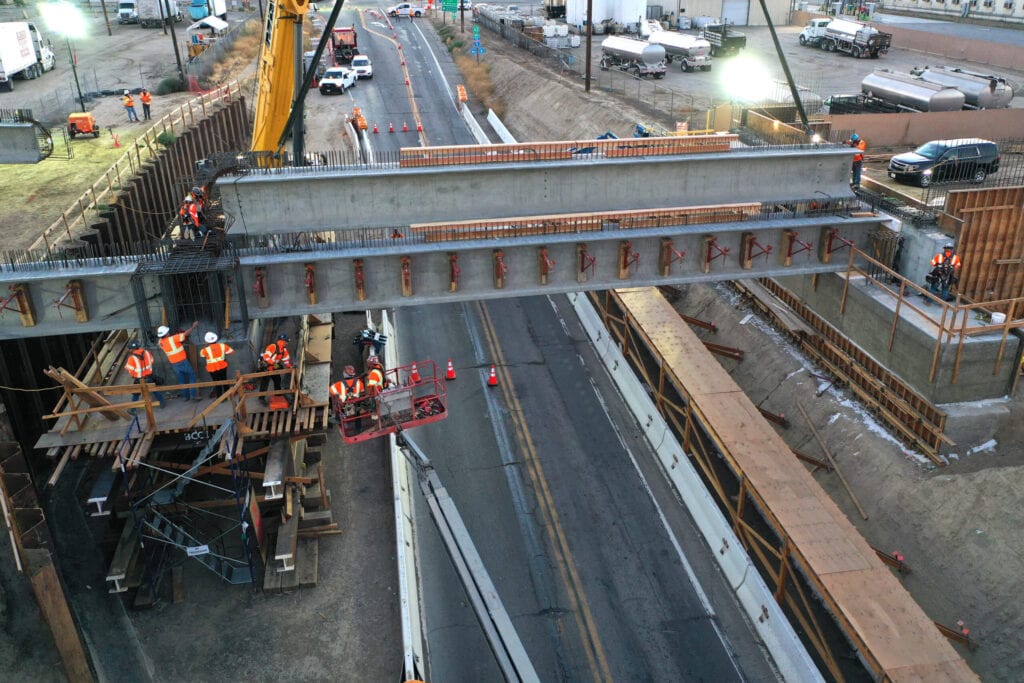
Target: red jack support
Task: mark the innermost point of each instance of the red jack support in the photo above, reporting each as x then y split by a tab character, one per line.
712	251
826	247
73	291
19	302
407	276
310	283
500	269
259	288
546	264
453	272
793	246
628	259
584	262
668	255
751	249
360	278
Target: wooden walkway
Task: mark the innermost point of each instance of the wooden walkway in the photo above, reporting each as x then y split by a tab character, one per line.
893	636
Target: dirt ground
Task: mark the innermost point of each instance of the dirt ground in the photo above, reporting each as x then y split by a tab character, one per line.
958	527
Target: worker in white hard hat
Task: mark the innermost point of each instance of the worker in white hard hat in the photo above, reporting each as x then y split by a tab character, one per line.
129	106
346	394
216	354
174	346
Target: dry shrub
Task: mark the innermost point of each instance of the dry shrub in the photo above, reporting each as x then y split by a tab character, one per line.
242	53
478	82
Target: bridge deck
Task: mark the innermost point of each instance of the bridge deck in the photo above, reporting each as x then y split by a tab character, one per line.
896	637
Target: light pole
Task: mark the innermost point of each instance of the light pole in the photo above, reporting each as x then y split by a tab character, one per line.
66	19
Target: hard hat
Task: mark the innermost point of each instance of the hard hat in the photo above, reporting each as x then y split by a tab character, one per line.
162	331
210	337
188	198
855	137
125	92
373	360
196	190
350	371
282	337
948	246
134	344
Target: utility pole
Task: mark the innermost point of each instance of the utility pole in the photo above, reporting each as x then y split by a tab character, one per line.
174	39
590	32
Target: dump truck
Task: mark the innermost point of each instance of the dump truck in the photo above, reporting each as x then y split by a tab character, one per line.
693	53
635	56
724	39
841	35
344	43
22	53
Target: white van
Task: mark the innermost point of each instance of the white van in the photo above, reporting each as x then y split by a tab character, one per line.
362	66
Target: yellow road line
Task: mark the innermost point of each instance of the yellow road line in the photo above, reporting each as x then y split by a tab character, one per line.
556	535
405	70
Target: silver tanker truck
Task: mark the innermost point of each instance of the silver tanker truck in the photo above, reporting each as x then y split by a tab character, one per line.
637	57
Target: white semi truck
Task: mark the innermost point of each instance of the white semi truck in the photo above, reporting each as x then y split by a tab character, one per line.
22	53
637	57
693	53
841	35
148	13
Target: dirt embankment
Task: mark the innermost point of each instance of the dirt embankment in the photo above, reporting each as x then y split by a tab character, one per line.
957	527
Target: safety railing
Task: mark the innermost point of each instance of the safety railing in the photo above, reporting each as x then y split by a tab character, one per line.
952	321
131	161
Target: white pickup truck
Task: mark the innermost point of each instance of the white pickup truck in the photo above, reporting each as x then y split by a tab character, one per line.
407	9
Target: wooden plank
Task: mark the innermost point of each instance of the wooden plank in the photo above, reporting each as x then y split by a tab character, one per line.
60	468
307	564
308	520
53	604
287	542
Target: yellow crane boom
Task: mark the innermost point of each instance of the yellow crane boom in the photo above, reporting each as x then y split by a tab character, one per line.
276	72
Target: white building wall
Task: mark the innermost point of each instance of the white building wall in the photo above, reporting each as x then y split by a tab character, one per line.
618	11
1004	11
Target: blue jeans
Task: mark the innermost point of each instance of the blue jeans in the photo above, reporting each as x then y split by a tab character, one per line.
186	375
856	173
157	395
132	114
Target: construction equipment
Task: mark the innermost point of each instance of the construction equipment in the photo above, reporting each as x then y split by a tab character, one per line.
412	395
724	39
22	53
693	53
842	35
637	57
344	43
82	123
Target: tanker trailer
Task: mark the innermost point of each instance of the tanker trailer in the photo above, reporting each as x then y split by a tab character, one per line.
910	92
981	91
635	56
692	52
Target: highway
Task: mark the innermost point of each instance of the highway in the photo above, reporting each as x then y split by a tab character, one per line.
603	574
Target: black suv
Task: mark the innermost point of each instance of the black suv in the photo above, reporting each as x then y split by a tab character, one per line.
968	159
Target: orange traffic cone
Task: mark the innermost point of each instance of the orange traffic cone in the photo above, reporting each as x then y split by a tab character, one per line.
117	143
450	375
391	127
375	130
492	381
414	377
419	126
405	127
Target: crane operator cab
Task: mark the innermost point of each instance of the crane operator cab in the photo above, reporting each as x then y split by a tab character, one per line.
409	396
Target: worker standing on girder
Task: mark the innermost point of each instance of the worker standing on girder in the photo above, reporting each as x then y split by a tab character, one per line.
174	346
347	394
216	354
275	357
945	272
139	365
861	146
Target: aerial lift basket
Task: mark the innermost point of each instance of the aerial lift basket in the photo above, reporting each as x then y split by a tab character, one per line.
402	404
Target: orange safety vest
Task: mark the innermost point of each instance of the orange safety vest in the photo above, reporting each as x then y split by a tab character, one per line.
189	212
173	346
215	355
128	101
146	98
345	389
375	379
272	355
940	258
861	146
139	364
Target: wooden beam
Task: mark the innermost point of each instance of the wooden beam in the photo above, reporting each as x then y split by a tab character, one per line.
54	606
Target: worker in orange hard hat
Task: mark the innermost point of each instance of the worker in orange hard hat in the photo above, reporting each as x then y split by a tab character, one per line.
374	376
275	357
347	393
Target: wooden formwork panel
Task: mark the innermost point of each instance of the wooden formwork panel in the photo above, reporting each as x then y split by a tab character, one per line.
991	242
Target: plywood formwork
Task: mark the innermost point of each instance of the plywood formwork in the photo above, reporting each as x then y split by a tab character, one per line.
810	550
990	243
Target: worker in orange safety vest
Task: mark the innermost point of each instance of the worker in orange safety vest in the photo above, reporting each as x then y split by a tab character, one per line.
374	376
275	357
945	272
147	99
347	393
216	354
191	226
129	106
174	346
139	365
859	144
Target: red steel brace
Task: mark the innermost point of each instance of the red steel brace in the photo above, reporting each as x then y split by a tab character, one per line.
669	255
360	278
834	236
546	264
628	259
791	249
712	251
73	291
762	250
310	282
16	294
406	276
453	272
586	262
500	269
259	287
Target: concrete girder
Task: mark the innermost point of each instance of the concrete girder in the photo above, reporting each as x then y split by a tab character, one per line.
309	199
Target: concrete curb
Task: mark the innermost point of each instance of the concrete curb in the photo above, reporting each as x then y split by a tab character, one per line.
767	618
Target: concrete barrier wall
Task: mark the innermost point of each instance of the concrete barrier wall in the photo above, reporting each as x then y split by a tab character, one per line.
18	144
869	324
764	613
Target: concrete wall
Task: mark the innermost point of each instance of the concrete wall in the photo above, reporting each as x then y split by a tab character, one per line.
18	144
868	324
951	47
906	131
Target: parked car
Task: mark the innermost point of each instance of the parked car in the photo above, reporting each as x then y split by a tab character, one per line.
337	80
362	66
966	159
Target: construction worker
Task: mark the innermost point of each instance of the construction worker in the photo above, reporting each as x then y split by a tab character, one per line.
129	106
861	146
374	376
147	100
216	354
140	367
347	392
275	357
945	272
174	346
200	199
190	223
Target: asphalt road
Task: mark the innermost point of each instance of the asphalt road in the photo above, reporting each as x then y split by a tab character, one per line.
587	546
